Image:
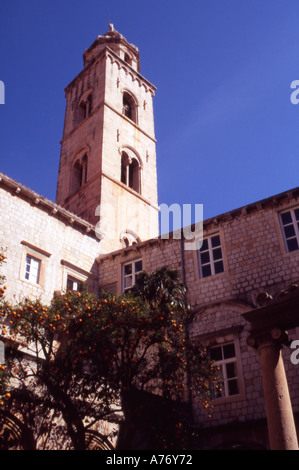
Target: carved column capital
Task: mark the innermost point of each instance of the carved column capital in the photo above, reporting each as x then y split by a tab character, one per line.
274	336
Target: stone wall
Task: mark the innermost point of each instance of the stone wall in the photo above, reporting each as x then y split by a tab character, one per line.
255	261
62	243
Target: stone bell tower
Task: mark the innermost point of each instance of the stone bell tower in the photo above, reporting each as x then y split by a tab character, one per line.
107	171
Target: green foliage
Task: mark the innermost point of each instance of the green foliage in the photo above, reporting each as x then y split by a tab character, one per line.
77	357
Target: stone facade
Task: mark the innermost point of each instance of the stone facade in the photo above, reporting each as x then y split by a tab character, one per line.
64	245
255	260
247	254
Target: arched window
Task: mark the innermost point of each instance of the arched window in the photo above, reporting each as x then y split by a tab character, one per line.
130	172
129	238
129	107
128	59
84	108
79	174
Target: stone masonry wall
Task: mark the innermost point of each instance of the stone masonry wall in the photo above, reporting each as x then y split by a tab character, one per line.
62	249
255	260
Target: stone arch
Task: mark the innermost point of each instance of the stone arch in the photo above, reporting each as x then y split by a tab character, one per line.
128	58
97	441
14	435
129	238
130	168
79	170
84	105
130	105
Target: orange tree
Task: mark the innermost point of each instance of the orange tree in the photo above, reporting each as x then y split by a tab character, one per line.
49	387
81	359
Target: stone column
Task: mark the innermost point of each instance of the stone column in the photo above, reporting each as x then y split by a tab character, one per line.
280	418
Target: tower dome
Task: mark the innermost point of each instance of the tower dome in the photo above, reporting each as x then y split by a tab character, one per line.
116	42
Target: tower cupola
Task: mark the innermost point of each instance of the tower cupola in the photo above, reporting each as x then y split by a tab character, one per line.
117	43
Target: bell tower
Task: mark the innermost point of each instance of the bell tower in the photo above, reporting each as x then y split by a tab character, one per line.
107	171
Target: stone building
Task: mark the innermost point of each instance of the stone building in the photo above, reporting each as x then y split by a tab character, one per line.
107	172
245	269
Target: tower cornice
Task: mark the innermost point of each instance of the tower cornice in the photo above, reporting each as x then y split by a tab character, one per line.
106	52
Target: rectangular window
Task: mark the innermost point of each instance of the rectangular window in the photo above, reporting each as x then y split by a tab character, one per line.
73	284
130	271
290	227
225	357
210	257
32	269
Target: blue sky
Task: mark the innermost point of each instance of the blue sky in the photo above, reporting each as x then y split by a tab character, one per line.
227	132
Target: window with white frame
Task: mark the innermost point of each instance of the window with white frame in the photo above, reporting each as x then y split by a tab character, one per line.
290	228
130	271
224	356
211	257
34	262
32	269
73	284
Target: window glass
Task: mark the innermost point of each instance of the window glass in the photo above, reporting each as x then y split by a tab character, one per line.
219	267
205	245
292	244
138	266
289	231
225	357
32	267
205	257
229	350
130	271
290	225
217	254
216	354
215	241
211	257
206	271
286	218
73	284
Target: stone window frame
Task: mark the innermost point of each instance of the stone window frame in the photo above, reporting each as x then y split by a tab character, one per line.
73	272
128	238
131	168
84	108
221	338
38	254
133	274
131	100
32	269
210	250
130	172
228	376
295	225
79	171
